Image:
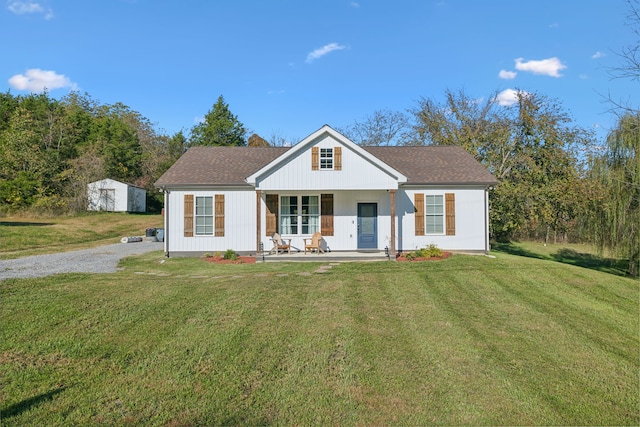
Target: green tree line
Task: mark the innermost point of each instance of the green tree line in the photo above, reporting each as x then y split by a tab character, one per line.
51	149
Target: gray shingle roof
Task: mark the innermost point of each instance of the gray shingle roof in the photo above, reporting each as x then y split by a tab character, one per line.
434	165
218	165
201	166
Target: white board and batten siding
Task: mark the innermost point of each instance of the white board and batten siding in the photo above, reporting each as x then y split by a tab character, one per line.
357	173
240	214
346	218
471	222
239	223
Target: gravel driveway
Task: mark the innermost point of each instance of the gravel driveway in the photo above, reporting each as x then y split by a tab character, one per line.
103	259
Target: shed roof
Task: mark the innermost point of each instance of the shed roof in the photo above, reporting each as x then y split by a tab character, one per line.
128	184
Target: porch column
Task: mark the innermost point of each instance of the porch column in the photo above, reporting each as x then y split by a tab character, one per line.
258	222
392	249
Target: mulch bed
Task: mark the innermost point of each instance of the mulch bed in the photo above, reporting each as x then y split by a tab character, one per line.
403	258
239	260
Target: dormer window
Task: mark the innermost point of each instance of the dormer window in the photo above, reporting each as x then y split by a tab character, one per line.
326	158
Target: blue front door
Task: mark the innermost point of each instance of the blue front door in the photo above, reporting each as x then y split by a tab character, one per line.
367	226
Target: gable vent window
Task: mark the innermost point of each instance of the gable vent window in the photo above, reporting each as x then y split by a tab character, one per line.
326	158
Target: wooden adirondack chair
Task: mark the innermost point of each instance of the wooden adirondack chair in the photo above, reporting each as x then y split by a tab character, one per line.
313	243
280	244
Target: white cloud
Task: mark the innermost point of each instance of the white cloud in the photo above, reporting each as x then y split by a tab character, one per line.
508	97
23	7
37	80
598	54
320	52
548	67
20	8
507	75
355	4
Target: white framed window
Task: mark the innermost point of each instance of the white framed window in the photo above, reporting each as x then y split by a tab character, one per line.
299	214
204	216
310	214
289	215
326	158
434	219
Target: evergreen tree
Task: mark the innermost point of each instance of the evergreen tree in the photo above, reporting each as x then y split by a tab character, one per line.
220	127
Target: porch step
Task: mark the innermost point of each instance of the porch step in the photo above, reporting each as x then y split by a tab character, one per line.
342	256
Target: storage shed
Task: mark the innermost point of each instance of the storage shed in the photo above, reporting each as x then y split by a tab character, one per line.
114	196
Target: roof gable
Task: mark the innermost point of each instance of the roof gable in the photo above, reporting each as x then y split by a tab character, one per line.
311	140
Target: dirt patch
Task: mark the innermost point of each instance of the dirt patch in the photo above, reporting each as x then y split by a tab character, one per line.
403	258
239	260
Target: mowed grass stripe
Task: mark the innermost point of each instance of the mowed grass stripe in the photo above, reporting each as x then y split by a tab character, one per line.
540	344
484	361
572	298
420	360
469	340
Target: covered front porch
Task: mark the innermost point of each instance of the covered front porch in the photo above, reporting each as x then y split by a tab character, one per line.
359	223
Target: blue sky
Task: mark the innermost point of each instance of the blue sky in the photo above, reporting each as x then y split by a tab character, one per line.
287	67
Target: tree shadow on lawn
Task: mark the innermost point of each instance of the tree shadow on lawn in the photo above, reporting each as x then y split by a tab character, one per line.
27	404
23	224
512	249
606	265
569	256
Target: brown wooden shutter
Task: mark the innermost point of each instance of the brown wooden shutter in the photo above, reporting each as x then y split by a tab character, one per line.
315	158
188	215
419	217
272	214
326	214
219	216
450	208
337	158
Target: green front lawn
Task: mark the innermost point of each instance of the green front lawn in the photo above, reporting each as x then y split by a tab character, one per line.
469	340
22	235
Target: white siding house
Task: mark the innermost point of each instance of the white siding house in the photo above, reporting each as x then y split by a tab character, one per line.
359	198
114	196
